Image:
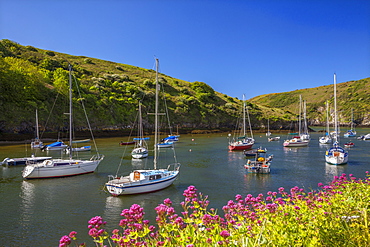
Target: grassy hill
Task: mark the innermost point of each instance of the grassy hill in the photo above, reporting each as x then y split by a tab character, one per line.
33	78
350	95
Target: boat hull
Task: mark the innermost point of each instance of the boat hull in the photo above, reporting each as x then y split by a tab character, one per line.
126	143
296	143
233	147
60	168
336	156
336	160
138	187
24	161
258	169
139	153
165	145
325	140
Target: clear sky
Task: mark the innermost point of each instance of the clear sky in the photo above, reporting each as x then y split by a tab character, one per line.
237	47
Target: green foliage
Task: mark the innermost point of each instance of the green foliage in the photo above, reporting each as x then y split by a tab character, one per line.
32	77
201	87
335	215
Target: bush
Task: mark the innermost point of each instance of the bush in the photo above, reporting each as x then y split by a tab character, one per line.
336	215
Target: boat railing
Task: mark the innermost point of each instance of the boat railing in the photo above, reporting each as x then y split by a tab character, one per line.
111	177
176	166
97	157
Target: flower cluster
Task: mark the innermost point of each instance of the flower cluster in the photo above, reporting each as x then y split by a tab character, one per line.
337	213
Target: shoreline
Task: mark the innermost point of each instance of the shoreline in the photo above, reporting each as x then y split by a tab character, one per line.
17	138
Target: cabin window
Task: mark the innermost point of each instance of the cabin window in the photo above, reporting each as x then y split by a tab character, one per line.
153	177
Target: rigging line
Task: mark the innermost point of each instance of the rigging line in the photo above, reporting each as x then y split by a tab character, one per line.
87	119
249	121
165	106
47	120
126	146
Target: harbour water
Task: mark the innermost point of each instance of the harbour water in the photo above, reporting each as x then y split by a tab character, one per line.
39	212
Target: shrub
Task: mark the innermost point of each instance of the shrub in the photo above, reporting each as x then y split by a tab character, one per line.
336	215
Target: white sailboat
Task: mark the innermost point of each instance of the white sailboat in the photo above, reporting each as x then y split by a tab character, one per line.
268	133
336	155
36	143
305	134
297	140
352	132
52	168
144	181
326	139
141	148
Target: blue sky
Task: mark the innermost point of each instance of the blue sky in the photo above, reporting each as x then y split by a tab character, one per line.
249	47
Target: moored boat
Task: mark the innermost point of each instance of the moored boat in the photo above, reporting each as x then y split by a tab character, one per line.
127	143
37	143
23	161
242	142
59	145
351	132
299	139
261	163
349	144
144	181
141	148
53	168
296	141
326	138
336	155
274	138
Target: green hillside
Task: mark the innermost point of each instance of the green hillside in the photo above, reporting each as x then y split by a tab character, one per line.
33	78
350	95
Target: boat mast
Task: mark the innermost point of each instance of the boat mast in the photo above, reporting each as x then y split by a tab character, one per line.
335	109
300	117
37	126
141	134
70	111
327	118
156	114
244	116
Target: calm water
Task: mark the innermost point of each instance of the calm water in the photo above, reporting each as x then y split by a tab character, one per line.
39	212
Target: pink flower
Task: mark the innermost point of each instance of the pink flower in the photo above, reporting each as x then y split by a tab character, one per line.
225	234
64	241
72	234
167	201
238	197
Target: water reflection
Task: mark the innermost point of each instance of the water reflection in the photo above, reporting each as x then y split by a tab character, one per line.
113	209
27	195
139	163
253	180
333	170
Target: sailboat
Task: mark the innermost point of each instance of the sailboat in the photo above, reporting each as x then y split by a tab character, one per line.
268	133
271	138
144	181
141	148
304	135
36	143
243	142
336	155
52	168
297	140
352	131
326	139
